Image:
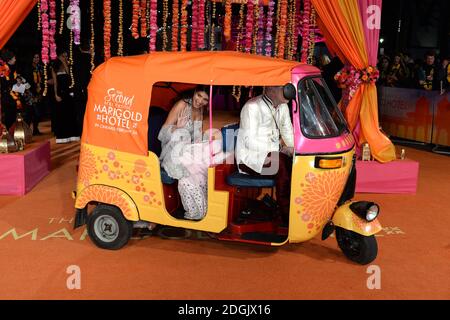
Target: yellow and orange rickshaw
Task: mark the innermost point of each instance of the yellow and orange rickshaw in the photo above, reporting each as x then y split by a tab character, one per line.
120	176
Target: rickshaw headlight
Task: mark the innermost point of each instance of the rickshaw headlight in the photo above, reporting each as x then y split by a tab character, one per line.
368	211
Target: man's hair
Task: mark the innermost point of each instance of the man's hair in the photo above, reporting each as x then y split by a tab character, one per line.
7	55
430	54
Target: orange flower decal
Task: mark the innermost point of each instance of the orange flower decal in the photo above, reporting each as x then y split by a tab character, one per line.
105	195
87	167
321	196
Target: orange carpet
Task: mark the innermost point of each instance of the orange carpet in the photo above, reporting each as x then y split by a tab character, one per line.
37	245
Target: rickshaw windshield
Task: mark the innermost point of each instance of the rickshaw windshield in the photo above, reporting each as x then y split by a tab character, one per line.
320	116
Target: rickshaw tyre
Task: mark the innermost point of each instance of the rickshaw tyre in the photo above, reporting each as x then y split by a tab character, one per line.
367	244
125	227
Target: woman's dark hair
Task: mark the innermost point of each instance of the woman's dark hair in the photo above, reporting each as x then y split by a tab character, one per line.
186	95
7	55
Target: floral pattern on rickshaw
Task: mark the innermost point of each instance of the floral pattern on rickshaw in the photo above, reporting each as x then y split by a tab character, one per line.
320	196
107	195
86	169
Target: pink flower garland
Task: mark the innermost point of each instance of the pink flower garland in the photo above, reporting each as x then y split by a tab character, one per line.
153	24
45	32
52	30
260	39
75	20
195	18
201	24
249	26
269	28
350	79
306	29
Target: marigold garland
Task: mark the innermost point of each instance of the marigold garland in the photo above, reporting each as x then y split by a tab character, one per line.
260	35
227	21
143	18
282	33
61	18
153	24
164	27
269	28
184	25
92	42
305	30
291	30
255	30
201	24
175	24
120	32
135	19
107	28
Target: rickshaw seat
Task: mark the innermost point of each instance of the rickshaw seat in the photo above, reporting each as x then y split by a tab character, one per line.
165	178
238	179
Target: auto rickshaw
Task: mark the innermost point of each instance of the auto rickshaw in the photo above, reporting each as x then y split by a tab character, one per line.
121	179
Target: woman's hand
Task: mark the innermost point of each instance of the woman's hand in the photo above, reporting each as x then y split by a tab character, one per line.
183	118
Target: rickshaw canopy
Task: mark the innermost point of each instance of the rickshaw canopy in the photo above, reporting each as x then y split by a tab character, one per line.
120	90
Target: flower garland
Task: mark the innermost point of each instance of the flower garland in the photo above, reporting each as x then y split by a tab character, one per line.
277	35
291	30
120	32
201	24
75	20
45	41
107	28
236	93
52	30
227	21
260	35
135	19
212	38
350	78
175	24
92	42
249	26
305	29
39	15
143	18
184	25
61	18
298	30
153	24
269	25
164	28
312	35
194	33
255	30
283	24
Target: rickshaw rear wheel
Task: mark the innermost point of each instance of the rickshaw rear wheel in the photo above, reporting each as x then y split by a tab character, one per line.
107	227
356	247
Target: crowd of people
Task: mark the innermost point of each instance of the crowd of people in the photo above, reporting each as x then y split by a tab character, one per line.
60	96
403	71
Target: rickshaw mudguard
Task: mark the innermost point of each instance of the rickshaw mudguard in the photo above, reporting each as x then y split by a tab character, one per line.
315	194
345	218
107	195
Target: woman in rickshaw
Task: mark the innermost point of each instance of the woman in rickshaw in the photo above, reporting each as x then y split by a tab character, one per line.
182	128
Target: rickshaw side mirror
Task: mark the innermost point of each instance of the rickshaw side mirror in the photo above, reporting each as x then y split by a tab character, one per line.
289	91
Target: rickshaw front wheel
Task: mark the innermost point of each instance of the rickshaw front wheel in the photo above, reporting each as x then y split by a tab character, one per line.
356	247
107	227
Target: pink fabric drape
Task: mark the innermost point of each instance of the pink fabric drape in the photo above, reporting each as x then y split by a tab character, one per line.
370	11
13	12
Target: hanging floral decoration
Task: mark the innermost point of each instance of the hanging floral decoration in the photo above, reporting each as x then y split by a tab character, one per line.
260	35
201	24
164	27
52	30
107	28
153	24
175	24
227	21
255	29
72	78
143	18
45	40
135	19
61	18
74	20
212	38
92	42
350	78
290	30
120	32
312	35
194	33
282	25
249	26
184	25
39	15
269	26
305	30
236	93
277	35
297	27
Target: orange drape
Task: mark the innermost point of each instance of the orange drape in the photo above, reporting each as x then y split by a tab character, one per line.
341	23
13	12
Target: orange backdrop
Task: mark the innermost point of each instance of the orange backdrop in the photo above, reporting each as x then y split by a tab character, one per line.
13	12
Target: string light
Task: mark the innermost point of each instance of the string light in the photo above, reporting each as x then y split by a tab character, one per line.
92	43
236	93
120	33
72	78
61	22
212	39
39	15
312	41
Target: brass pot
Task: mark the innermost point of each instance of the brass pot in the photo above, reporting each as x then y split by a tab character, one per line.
23	134
7	143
